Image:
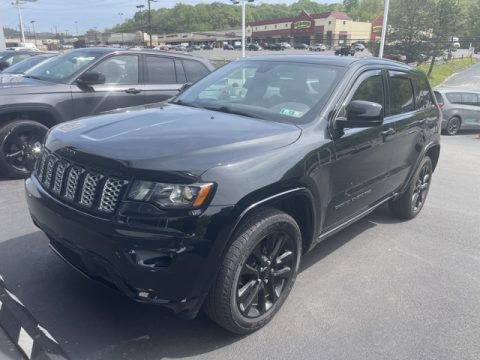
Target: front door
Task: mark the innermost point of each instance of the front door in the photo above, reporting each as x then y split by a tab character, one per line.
122	87
362	158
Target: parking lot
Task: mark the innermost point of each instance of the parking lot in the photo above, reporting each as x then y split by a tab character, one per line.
381	289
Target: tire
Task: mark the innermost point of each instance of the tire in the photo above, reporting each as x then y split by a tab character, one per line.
249	272
22	137
410	203
453	126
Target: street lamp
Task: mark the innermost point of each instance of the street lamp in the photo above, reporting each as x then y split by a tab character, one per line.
34	34
140	7
384	28
121	19
17	4
244	6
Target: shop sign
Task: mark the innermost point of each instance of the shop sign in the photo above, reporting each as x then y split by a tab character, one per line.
305	24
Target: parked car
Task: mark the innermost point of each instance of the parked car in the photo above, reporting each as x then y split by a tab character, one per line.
275	47
301	46
286	45
344	51
84	82
213	200
228	47
254	47
318	47
461	110
208	47
11	57
23	66
358	47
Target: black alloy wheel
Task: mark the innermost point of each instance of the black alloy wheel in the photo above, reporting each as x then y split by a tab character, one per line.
422	185
265	274
20	146
453	126
257	272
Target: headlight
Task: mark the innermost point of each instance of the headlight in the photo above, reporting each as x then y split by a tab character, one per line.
170	196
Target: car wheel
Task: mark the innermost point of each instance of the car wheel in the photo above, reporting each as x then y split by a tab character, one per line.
20	145
257	273
453	126
409	205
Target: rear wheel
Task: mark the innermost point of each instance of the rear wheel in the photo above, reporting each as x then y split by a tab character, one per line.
257	273
20	145
453	126
408	205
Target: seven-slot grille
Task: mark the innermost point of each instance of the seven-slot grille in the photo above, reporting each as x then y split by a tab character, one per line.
80	187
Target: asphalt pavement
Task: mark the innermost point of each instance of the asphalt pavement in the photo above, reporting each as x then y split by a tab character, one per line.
381	289
466	80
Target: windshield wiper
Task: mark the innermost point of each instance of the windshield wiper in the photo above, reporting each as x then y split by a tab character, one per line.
230	110
185	103
32	77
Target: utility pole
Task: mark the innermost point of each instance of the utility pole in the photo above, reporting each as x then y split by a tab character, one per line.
2	35
121	19
244	10
140	7
150	20
34	33
76	28
384	28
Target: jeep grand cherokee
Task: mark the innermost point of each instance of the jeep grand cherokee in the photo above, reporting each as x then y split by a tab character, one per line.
212	199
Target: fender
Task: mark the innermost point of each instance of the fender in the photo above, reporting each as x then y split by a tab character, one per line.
32	107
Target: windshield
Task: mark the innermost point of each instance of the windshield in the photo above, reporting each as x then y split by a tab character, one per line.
61	68
24	65
270	90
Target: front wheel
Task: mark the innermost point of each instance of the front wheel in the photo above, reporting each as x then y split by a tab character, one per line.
408	205
453	126
20	145
257	273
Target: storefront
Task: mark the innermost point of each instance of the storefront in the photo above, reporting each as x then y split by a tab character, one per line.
330	28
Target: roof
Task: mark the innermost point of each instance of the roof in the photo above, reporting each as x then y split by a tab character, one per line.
339	15
323	15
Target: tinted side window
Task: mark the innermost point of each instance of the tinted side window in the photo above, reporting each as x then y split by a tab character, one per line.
194	70
470	99
423	97
371	89
160	70
121	69
454	98
17	58
181	78
401	95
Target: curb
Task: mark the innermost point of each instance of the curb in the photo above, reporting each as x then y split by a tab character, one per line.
34	341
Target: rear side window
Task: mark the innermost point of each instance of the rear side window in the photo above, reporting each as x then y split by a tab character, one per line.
454	97
423	97
401	95
470	99
181	79
160	70
194	70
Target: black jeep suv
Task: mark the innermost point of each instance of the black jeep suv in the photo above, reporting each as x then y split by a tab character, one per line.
79	83
212	199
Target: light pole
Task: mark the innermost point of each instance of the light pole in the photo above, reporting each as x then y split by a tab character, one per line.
150	20
244	7
17	4
140	7
121	19
384	28
34	34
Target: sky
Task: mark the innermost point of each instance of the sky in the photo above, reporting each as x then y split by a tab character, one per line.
87	13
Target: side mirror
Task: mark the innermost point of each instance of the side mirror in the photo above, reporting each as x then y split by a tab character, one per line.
4	65
91	78
360	114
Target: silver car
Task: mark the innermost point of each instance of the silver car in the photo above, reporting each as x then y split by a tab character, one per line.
461	110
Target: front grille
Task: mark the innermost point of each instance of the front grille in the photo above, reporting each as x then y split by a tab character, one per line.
79	185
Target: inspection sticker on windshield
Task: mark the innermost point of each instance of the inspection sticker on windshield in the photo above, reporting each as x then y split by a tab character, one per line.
71	126
292	113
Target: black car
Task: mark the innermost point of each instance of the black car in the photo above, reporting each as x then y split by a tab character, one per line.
11	57
208	47
228	47
79	83
301	46
254	47
345	51
212	199
275	47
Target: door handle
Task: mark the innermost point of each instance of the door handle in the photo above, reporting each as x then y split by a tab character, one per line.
133	91
388	132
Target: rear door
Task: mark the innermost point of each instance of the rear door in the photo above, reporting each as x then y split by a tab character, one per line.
122	88
470	110
194	70
164	77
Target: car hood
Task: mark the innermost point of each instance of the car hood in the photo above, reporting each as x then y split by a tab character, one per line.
19	85
169	138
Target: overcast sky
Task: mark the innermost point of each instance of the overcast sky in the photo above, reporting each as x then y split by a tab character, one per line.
88	13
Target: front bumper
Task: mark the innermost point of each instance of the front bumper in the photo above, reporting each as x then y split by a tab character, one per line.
156	265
